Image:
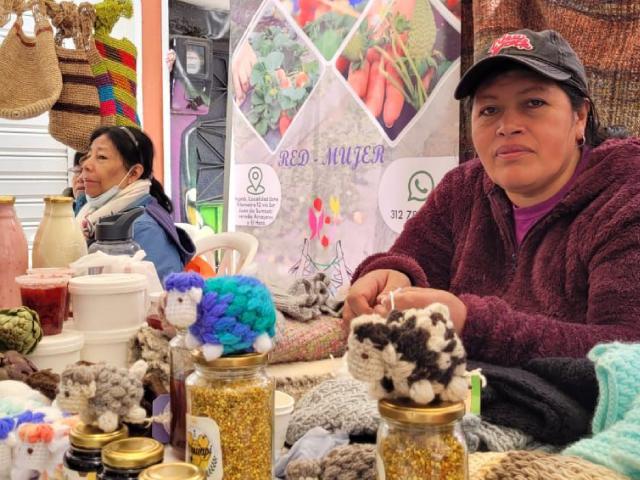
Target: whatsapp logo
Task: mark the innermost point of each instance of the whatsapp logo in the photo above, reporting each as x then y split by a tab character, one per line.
420	184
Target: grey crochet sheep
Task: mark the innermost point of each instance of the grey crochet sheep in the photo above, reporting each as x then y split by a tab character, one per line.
103	395
414	354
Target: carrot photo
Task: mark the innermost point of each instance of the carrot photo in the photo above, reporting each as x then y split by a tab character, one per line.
326	22
395	59
273	73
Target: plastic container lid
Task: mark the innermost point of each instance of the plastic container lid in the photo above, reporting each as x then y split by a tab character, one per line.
42	281
65	342
107	336
108	283
54	271
283	403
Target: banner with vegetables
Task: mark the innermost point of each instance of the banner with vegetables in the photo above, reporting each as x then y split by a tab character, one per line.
343	122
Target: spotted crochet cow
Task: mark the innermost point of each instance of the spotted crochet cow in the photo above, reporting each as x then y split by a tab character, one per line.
415	354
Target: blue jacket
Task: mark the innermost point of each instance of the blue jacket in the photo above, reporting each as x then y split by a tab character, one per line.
168	247
78	203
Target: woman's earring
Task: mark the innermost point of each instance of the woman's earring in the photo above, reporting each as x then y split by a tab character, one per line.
581	142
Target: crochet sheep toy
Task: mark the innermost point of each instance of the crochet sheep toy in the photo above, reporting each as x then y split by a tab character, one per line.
39	449
8	425
103	395
415	354
225	315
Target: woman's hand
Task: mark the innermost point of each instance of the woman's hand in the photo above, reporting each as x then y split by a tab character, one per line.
364	294
415	297
241	69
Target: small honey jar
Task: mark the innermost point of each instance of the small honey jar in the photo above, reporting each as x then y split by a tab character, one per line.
126	459
83	459
421	442
172	471
230	417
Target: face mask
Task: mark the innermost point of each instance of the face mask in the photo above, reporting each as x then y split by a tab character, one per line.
104	197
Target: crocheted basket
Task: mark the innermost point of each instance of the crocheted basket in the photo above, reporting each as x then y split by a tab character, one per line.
76	114
31	79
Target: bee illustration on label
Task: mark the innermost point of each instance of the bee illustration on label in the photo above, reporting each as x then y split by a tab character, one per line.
200	449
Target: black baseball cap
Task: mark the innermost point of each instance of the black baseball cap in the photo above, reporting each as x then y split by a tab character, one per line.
546	53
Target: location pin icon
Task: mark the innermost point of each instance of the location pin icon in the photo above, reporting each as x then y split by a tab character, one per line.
255	179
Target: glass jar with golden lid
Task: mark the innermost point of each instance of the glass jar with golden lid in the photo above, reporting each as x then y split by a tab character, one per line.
126	459
230	411
173	471
421	441
83	459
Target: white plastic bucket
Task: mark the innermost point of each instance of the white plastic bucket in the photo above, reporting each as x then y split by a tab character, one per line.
109	301
58	351
283	411
109	346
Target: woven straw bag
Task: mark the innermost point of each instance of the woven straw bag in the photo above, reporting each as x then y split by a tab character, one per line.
31	79
103	80
76	114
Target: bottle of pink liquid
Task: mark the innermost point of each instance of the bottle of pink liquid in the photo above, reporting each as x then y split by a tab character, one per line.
14	253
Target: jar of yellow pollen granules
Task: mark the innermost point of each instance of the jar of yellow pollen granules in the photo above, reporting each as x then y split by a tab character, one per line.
230	417
421	442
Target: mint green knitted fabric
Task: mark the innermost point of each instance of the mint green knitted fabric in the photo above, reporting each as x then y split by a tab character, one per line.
618	380
618	447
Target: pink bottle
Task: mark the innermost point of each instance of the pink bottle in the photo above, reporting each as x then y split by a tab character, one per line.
14	253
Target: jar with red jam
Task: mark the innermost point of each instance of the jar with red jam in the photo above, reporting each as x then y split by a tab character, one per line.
47	295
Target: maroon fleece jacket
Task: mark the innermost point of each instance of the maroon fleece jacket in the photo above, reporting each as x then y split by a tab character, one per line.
573	282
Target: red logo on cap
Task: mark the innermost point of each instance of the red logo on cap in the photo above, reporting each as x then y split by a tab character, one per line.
510	40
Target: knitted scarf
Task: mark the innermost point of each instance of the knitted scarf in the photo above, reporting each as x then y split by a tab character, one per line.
88	216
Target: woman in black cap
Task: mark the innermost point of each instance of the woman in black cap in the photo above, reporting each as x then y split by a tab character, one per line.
535	245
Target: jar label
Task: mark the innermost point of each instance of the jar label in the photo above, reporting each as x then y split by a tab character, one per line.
380	467
203	446
68	474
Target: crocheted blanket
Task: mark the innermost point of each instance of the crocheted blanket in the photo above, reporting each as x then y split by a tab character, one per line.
305	342
358	462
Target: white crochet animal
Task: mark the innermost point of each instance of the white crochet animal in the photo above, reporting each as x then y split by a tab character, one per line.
184	294
415	354
6	446
103	395
39	450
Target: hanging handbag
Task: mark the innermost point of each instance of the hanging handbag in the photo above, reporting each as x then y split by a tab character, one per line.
103	80
31	79
119	59
76	114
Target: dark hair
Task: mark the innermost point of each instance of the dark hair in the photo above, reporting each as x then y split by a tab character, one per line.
77	157
136	148
594	133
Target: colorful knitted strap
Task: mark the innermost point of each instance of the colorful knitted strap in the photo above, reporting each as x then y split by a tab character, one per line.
119	58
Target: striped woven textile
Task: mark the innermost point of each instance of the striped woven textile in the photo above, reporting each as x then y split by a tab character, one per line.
77	112
604	34
103	82
119	58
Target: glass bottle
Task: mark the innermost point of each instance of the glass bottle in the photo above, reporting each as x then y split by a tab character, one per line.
126	459
14	253
421	441
230	417
59	240
83	458
181	367
173	471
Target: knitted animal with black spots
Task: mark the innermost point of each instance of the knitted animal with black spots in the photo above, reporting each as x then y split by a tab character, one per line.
413	354
103	395
224	315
